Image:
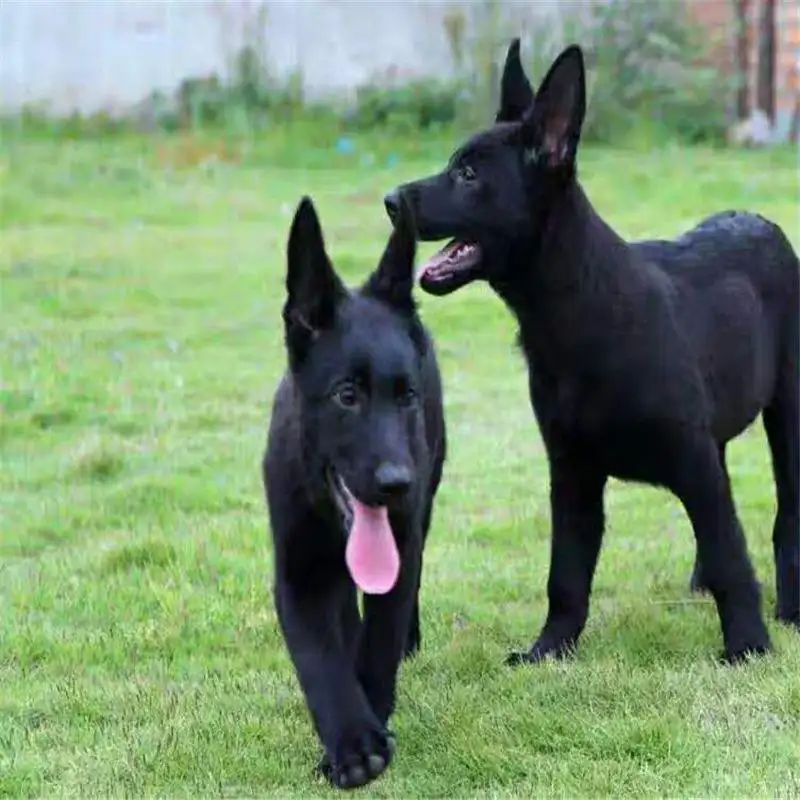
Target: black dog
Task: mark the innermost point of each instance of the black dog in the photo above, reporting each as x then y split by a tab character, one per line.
353	462
644	358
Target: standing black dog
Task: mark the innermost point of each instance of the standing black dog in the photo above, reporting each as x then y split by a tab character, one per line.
644	358
353	462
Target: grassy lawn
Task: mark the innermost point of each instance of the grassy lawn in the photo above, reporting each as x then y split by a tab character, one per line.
139	650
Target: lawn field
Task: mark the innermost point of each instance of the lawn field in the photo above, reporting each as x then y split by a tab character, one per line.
139	650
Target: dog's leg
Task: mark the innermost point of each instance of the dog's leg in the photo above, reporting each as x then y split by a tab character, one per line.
351	623
782	425
357	746
698	582
386	623
576	498
694	473
414	639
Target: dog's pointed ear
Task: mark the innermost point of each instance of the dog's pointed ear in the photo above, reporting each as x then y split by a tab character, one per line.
313	288
393	280
516	92
551	129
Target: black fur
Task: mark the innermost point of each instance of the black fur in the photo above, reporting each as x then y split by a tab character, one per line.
361	399
644	358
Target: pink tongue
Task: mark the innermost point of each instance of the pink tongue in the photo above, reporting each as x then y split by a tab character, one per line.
371	553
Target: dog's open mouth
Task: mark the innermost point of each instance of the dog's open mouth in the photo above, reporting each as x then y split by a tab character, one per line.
371	553
455	265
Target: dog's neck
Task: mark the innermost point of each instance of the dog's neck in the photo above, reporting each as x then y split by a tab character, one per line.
573	272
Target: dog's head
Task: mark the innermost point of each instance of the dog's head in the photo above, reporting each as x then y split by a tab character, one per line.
497	187
356	360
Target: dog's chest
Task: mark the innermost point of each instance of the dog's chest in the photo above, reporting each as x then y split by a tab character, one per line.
622	427
581	404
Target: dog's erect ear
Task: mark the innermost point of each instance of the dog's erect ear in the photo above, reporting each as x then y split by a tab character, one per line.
312	286
551	129
516	92
393	280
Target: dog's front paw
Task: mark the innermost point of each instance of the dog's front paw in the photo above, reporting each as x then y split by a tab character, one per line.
744	653
746	643
790	617
539	652
359	757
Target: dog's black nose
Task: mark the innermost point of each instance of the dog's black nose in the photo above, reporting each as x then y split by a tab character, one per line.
392	203
392	480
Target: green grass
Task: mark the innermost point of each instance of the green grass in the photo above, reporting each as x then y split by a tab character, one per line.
139	652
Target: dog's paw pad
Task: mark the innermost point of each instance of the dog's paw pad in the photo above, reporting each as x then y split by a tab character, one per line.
375	764
355	776
359	759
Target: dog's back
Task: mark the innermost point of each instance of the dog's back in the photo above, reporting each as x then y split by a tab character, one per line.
725	244
734	281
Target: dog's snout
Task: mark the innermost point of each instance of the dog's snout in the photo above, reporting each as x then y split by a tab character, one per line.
392	204
393	480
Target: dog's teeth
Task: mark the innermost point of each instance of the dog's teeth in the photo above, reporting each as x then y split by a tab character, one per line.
460	251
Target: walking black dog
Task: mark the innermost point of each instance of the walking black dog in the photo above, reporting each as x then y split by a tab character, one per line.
644	358
354	458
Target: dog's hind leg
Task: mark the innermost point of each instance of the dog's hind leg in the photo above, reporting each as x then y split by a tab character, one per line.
576	499
782	425
414	638
694	473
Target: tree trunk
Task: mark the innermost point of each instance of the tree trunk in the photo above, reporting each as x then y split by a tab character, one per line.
742	60
765	84
794	128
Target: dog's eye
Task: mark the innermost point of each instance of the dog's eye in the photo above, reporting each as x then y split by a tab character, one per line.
466	173
346	396
404	394
406	397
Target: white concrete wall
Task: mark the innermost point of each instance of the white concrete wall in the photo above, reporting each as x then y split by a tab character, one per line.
90	54
109	54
